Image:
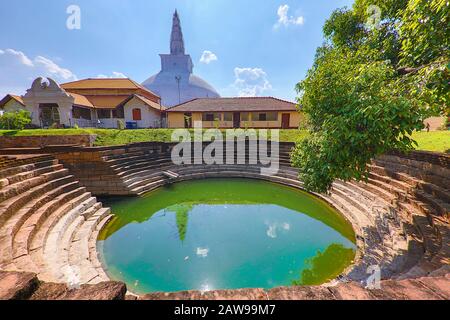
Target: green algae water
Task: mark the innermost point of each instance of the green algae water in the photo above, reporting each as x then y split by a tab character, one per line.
224	234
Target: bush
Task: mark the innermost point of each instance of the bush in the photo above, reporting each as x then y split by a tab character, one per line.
15	120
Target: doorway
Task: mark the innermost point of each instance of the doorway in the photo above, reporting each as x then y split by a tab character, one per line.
188	120
236	120
285	120
49	114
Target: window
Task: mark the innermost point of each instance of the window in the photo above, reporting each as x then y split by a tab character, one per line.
227	116
104	113
245	116
211	117
264	116
272	116
137	114
118	113
81	113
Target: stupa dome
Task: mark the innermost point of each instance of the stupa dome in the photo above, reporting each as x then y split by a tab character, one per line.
176	83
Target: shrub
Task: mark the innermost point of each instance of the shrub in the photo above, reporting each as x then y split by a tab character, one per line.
15	120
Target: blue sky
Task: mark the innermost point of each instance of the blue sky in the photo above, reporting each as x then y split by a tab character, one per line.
262	47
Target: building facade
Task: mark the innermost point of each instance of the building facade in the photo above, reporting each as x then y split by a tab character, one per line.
254	112
104	103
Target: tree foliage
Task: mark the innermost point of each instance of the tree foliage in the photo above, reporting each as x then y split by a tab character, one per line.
371	86
15	120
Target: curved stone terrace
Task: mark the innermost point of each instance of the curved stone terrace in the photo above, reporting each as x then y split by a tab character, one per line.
50	220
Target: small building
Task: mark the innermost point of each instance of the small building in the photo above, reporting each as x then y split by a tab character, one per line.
251	112
11	103
100	103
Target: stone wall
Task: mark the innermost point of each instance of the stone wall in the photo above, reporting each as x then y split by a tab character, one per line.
43	141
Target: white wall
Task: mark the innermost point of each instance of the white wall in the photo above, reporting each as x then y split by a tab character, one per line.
150	117
13	106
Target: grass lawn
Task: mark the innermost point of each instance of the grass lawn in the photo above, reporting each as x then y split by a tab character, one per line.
430	141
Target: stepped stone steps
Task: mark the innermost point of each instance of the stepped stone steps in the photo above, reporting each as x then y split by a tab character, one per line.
374	189
79	250
136	166
23	186
136	160
125	172
358	200
439	166
15	222
434	191
69	234
94	253
420	174
40	238
32	173
440	207
21	240
52	247
7	174
137	176
398	185
15	203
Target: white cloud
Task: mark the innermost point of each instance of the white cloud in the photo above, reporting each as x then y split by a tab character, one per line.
251	82
273	228
18	71
272	231
202	252
208	57
285	20
114	75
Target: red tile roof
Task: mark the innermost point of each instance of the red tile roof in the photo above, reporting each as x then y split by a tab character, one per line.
8	97
104	83
148	102
244	104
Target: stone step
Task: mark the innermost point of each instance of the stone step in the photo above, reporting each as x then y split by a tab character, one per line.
441	208
69	235
11	171
80	250
405	187
22	186
95	252
133	161
376	190
429	235
17	220
40	238
18	166
13	204
420	174
133	167
22	239
35	172
21	245
52	247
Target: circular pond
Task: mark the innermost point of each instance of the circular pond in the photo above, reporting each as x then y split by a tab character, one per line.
224	234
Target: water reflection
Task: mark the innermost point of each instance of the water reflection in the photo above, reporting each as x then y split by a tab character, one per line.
326	265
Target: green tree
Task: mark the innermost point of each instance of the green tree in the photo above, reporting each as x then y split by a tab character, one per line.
15	120
370	87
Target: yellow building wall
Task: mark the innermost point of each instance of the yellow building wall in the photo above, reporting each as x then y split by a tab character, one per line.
176	120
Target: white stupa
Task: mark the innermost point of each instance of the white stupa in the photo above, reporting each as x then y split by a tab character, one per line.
176	83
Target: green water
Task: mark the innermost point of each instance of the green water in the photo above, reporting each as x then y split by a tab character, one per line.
224	234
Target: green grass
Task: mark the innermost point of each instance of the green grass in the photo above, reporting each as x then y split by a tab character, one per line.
430	141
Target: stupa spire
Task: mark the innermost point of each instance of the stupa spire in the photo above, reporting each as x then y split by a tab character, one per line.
176	38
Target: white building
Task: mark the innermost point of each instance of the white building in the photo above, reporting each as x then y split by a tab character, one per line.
104	103
176	83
